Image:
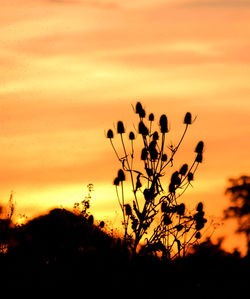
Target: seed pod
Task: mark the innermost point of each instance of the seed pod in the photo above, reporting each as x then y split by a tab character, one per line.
199	158
175	179
171	188
144	154
184	169
164	158
128	210
188	118
155	136
138	108
116	181
143	130
199	225
198	235
151	117
190	176
120	127
199	207
179	227
164	123
121	175
131	136
142	113
181	209
102	224
110	134
152	150
166	219
199	147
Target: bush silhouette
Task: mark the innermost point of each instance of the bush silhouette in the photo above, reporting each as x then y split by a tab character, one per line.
239	192
177	228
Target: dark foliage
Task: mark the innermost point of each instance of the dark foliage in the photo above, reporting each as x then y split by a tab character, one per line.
239	192
63	249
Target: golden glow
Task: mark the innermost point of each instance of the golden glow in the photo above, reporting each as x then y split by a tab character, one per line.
71	69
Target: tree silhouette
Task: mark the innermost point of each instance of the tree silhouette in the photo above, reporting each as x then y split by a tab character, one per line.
239	191
177	228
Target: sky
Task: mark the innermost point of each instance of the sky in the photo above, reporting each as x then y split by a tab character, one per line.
71	69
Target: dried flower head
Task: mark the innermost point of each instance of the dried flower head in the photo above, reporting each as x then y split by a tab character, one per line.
151	117
138	108
155	136
116	181
199	158
110	134
198	235
121	175
190	176
175	179
199	207
144	154
199	147
102	224
188	118
166	219
142	113
181	209
128	210
164	123
143	130
120	127
184	169
164	158
131	136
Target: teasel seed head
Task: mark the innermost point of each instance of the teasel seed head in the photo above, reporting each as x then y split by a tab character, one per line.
131	136
155	136
120	127
121	175
190	176
110	134
188	118
199	147
164	158
128	210
116	181
199	158
184	169
151	117
143	130
144	154
138	108
164	123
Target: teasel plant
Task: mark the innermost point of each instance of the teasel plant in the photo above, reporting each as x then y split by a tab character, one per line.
155	214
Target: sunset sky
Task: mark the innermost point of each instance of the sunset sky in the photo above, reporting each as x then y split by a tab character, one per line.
71	69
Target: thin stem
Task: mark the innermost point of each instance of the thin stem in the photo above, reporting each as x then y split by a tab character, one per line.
114	149
176	148
130	171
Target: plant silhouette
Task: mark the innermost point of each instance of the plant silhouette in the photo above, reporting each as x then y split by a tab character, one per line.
239	192
177	227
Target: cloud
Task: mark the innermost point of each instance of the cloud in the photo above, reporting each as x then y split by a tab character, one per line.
94	3
217	3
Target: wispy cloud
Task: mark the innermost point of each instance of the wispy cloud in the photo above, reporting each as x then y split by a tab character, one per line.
95	3
217	3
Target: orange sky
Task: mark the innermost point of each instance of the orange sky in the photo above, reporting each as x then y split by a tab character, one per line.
71	69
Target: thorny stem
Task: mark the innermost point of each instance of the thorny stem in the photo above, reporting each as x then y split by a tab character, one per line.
176	148
130	171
